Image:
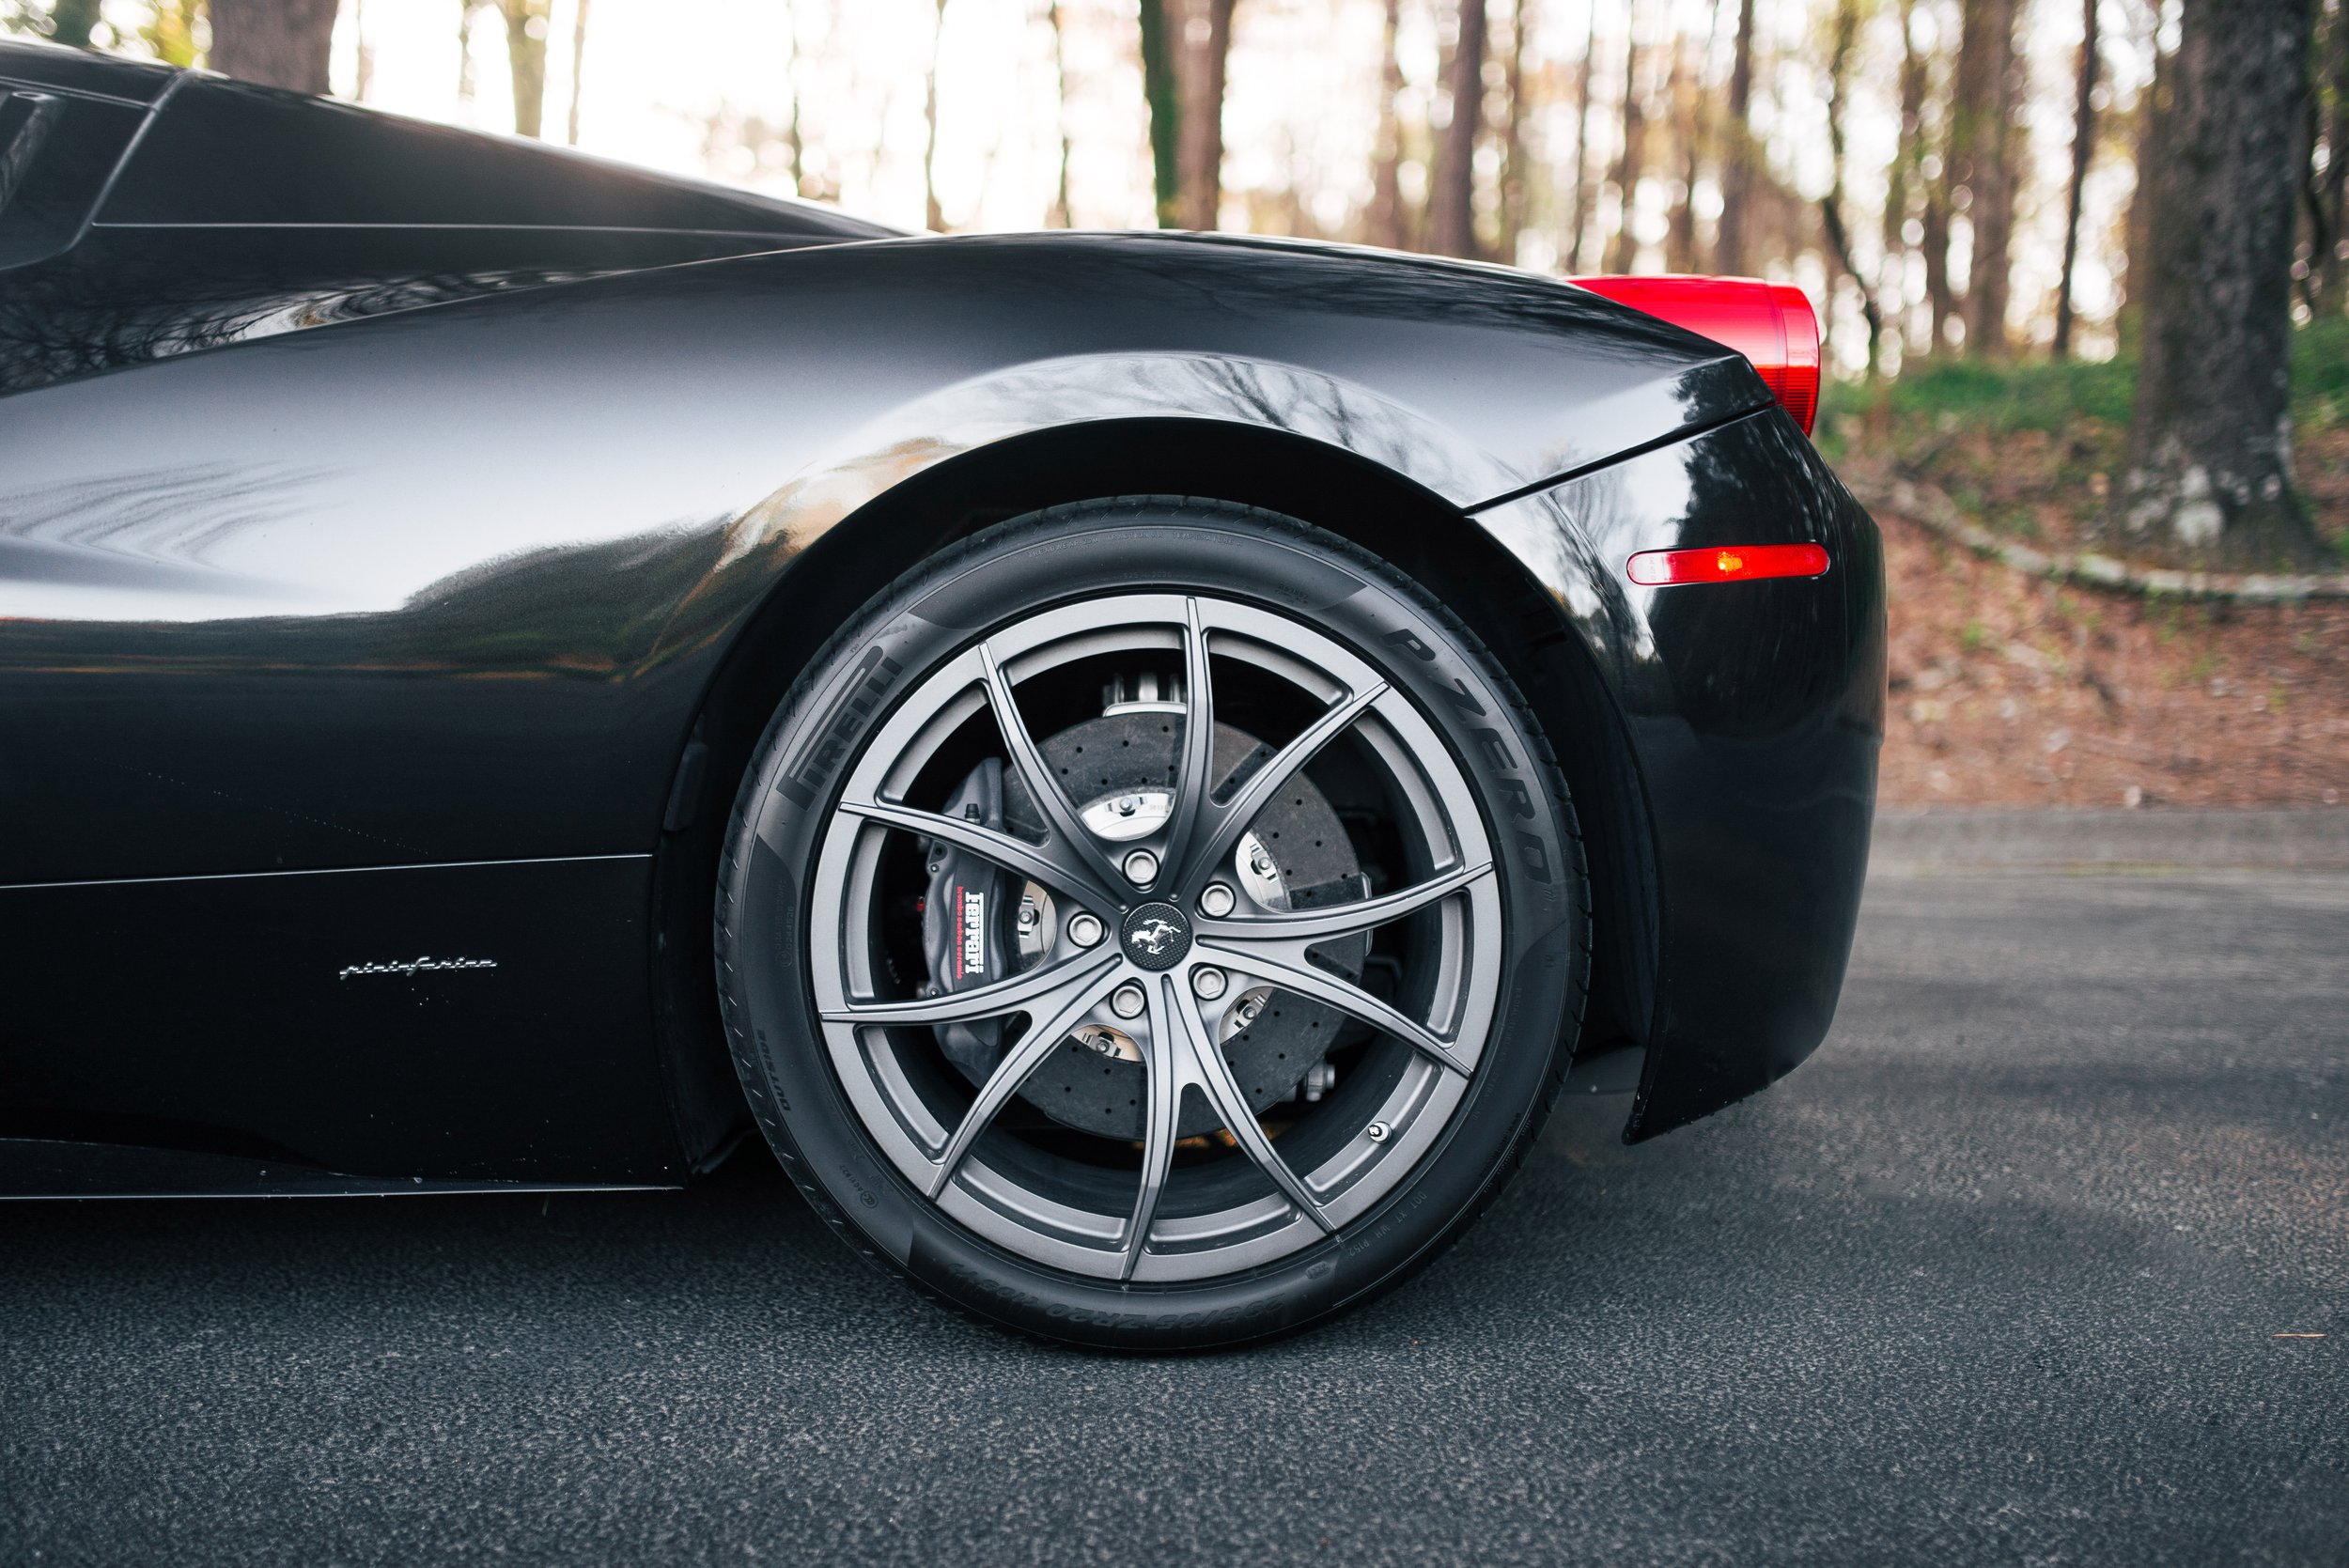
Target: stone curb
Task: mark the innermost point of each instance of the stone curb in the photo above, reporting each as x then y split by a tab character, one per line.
1928	505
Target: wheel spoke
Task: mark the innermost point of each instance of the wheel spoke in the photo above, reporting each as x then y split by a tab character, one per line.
1042	787
1163	1106
1214	1075
1043	1037
980	1001
1194	772
1316	985
1036	862
1343	919
1230	819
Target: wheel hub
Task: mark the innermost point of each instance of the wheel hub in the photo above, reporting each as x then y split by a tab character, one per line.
1155	935
1119	766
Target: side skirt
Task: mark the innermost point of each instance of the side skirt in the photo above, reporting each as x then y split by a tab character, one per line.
34	1170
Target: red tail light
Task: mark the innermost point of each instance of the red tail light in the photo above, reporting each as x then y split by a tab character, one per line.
1770	323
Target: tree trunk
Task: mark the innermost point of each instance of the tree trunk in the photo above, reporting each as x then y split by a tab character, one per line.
1966	152
2210	458
1844	38
1162	24
579	72
1729	246
2311	240
526	60
932	215
1624	249
464	55
2005	154
363	73
1058	217
1941	303
2152	113
279	43
2083	149
1578	219
1452	201
1385	174
1201	52
794	144
1686	110
1893	272
1977	177
1514	187
2331	265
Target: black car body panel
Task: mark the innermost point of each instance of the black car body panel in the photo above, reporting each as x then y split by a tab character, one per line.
249	212
382	507
1754	712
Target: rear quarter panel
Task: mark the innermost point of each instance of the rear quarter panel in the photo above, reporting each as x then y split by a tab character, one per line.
1755	711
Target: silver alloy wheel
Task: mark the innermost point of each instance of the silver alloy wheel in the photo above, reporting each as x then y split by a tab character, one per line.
1171	1221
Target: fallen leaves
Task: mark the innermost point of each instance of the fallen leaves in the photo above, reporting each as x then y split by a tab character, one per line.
2012	692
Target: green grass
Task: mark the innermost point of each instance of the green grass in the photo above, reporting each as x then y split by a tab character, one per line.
2320	369
1939	396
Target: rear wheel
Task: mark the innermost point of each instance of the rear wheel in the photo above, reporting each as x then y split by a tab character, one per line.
1152	924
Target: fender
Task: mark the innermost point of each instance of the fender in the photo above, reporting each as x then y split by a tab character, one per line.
1754	715
867	463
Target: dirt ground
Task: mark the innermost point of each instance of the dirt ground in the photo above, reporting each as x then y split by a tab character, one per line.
2007	691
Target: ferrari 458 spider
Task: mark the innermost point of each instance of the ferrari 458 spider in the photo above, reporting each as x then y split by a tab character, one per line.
1139	763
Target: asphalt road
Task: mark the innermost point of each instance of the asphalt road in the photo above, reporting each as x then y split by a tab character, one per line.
1998	1277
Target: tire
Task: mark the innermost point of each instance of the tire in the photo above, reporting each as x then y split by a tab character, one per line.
1139	1165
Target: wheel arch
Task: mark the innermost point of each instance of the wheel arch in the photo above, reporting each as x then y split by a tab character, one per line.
1362	501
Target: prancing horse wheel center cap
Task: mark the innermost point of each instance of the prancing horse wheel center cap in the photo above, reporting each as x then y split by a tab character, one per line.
1155	937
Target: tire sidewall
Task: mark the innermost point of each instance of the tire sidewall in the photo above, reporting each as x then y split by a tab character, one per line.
1013	571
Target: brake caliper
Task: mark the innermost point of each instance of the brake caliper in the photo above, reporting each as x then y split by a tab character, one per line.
969	934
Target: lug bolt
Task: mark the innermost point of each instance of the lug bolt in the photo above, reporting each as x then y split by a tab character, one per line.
1216	902
1141	868
1127	1001
1084	930
1207	983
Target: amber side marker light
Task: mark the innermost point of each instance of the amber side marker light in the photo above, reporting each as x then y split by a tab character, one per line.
1660	569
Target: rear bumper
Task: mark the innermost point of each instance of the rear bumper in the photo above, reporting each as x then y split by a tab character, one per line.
1753	713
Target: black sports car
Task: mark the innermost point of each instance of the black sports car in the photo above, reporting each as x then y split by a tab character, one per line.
1141	763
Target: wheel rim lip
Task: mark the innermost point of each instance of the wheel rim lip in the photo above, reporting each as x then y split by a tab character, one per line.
1420	1105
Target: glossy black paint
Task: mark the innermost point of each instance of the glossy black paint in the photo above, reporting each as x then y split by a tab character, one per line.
126	296
455	1023
133	82
55	154
341	529
1754	711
